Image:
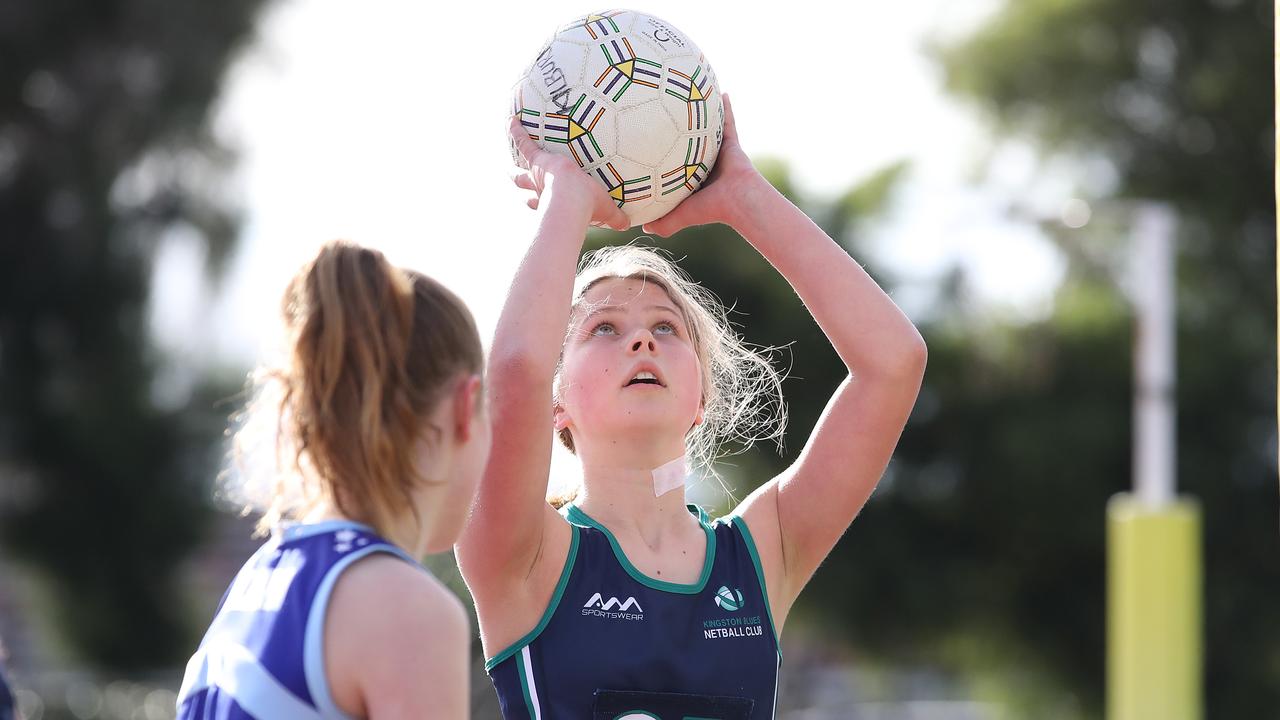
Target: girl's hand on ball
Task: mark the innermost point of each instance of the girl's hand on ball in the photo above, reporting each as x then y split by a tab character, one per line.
540	170
717	200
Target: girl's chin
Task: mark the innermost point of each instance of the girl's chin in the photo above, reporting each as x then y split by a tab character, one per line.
638	428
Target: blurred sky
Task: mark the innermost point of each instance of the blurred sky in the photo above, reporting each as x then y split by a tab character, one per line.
382	121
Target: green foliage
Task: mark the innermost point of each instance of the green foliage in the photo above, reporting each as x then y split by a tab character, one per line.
104	147
866	199
1178	102
984	547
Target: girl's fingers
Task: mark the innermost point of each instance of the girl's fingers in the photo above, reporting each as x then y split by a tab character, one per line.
523	181
618	220
525	148
693	210
730	128
618	226
669	224
527	151
513	131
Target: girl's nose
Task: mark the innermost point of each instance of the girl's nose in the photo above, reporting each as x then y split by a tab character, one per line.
643	340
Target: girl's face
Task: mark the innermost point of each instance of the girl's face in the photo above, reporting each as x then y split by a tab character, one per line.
630	370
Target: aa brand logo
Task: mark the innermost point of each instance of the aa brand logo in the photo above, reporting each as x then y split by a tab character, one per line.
598	602
727	599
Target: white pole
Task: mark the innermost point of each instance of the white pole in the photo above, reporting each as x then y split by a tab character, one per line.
1154	579
1154	435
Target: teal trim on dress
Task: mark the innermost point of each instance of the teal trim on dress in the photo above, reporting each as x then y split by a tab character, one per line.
523	671
741	524
576	516
551	606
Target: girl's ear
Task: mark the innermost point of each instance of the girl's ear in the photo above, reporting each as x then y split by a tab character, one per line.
467	400
559	417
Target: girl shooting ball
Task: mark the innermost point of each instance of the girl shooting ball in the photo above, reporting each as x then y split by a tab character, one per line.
628	603
378	417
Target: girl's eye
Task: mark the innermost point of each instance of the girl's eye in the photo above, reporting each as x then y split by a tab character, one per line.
604	328
665	328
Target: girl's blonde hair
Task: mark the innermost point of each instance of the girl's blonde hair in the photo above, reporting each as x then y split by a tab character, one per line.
741	390
371	352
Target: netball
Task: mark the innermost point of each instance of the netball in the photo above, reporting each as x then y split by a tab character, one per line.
633	101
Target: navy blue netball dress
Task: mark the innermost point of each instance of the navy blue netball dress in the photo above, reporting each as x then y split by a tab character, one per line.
263	654
615	644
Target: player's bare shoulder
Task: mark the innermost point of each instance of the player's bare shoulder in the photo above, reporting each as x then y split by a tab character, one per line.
383	589
387	617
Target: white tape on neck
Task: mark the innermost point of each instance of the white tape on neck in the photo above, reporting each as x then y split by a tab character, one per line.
670	476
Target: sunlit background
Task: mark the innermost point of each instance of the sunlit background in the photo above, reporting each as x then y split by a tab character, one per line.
383	122
165	169
335	95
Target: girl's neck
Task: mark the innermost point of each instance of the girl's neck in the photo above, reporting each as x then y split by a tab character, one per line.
623	499
404	530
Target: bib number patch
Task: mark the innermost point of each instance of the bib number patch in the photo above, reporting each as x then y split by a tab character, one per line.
636	705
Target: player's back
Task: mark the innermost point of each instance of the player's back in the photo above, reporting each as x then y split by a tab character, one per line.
262	656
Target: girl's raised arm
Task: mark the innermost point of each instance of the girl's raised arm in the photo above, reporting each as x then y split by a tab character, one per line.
506	530
797	517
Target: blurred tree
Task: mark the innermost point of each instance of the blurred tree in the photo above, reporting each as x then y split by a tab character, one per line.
984	548
105	150
1168	97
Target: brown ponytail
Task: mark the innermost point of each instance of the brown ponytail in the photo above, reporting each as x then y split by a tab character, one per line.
372	351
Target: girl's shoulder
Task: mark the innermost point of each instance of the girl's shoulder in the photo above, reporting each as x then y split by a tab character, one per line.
382	613
360	576
383	583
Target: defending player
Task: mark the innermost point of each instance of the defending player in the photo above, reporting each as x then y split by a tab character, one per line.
380	418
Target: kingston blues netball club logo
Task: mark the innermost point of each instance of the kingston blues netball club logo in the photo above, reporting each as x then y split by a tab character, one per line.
727	599
733	625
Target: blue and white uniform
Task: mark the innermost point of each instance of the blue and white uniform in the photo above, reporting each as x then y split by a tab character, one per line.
6	697
616	644
263	654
